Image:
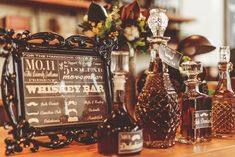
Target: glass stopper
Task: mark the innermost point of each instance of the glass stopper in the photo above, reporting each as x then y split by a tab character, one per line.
158	21
192	69
224	52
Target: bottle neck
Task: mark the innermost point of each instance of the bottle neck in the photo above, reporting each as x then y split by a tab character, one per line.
192	87
118	100
156	64
192	84
119	82
224	76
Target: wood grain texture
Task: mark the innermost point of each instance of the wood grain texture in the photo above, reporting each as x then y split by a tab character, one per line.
215	148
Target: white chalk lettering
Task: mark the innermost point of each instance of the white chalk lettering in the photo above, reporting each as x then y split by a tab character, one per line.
50	89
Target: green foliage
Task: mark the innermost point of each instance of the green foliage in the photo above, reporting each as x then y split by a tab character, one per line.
132	29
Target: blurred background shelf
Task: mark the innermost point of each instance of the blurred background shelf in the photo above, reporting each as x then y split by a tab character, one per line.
66	4
179	19
74	4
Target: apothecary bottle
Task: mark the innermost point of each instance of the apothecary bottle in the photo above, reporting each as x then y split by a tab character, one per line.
119	134
195	120
223	98
157	110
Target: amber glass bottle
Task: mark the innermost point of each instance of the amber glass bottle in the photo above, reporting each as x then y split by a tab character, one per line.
223	107
195	122
119	134
157	110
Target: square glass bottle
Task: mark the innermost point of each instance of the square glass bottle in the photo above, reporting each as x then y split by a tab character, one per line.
195	121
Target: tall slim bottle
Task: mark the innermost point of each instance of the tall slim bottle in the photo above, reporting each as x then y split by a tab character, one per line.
157	110
224	98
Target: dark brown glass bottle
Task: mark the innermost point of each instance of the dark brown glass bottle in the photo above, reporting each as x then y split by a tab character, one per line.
195	122
119	133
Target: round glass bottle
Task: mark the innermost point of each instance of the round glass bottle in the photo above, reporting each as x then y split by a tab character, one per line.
119	133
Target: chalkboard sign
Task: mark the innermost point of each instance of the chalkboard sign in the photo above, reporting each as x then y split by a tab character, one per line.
60	89
57	86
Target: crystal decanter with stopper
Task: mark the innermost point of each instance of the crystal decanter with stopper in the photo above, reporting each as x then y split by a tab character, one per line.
157	110
223	100
119	134
195	121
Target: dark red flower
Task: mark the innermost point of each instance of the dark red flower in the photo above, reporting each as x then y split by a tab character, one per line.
130	11
145	12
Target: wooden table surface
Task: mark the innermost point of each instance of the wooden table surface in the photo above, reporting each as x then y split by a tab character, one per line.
215	148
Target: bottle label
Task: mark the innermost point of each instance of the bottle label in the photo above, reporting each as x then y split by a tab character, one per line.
169	56
130	142
201	119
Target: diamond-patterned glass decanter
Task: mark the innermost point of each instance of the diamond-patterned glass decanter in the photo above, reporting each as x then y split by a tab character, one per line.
157	110
223	99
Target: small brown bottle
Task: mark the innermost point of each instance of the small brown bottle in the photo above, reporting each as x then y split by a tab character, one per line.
195	121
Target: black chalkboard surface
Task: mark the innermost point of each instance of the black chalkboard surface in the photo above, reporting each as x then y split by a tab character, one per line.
63	88
53	86
64	85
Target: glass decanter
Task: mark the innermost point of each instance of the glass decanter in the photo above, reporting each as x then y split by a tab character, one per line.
223	98
119	133
195	121
157	110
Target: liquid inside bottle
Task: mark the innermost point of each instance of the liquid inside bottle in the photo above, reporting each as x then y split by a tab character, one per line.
157	110
158	113
195	121
119	133
223	109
